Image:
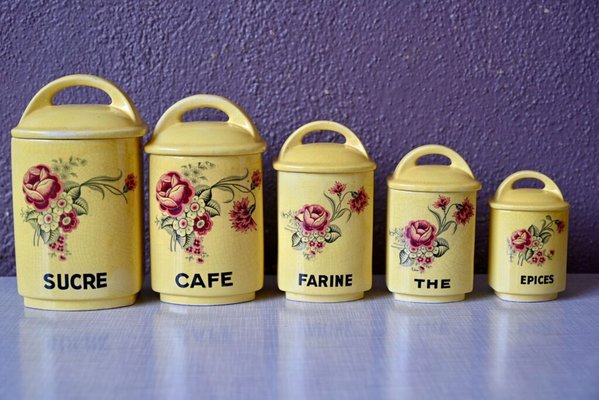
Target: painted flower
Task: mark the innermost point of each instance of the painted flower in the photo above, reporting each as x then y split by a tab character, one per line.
40	186
130	182
173	193
560	225
68	221
241	216
195	208
202	224
420	233
256	179
63	204
464	213
313	218
359	200
337	188
521	240
183	226
48	221
442	202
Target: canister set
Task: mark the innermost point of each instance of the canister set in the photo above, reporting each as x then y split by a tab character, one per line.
78	212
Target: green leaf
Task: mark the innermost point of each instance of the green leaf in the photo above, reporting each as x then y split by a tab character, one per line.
182	240
213	208
296	240
167	221
404	257
80	206
189	240
528	255
169	229
334	233
441	248
97	189
546	239
533	230
68	185
331	201
32	215
437	217
201	188
53	236
206	195
75	192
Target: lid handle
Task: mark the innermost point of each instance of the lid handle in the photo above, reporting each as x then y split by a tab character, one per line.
118	98
297	137
175	113
410	159
508	184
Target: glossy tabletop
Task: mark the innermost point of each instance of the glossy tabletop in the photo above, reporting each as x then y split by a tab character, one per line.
273	348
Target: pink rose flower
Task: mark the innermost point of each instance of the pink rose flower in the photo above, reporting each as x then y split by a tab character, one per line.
40	187
313	218
420	233
521	240
173	193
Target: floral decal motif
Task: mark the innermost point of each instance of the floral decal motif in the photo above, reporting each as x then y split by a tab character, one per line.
188	207
529	245
56	203
312	224
420	241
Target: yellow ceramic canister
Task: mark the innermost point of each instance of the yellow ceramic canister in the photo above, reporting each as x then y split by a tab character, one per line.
77	198
431	216
325	202
528	240
206	212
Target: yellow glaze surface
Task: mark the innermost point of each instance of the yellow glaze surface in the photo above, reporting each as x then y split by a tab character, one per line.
77	198
431	218
206	207
325	217
528	240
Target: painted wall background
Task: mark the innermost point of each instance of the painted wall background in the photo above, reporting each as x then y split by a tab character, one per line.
508	84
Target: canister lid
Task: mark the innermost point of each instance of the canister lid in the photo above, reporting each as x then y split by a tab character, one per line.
455	177
173	137
43	119
549	198
296	156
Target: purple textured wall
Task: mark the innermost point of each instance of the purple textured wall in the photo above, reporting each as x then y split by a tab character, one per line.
509	84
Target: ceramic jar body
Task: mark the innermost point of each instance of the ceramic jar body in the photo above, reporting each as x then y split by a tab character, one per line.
430	247
206	228
78	222
528	254
325	235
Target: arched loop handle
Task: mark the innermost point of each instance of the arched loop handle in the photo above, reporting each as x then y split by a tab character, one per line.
118	98
296	138
410	159
508	184
175	113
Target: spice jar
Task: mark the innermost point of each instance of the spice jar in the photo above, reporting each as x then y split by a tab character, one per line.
528	240
325	193
431	216
76	179
206	232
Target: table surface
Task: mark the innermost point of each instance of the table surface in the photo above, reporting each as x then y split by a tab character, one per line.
273	348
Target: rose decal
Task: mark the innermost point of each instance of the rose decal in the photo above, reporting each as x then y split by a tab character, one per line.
40	187
313	218
420	233
57	202
189	207
173	193
529	245
420	241
311	225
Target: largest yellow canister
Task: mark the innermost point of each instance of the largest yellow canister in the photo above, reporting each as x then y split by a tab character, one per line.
431	216
325	193
206	230
76	183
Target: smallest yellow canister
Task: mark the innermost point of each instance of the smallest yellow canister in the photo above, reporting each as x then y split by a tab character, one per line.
528	240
